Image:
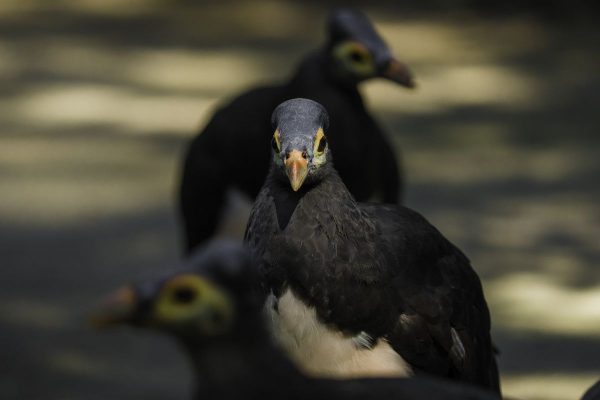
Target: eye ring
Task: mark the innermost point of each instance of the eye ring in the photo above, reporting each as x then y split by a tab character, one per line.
356	58
322	144
275	143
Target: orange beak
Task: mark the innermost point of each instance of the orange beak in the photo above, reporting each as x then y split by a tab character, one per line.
296	168
118	308
399	73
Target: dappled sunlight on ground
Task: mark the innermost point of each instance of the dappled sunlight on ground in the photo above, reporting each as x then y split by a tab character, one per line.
556	386
460	85
499	143
63	180
81	104
530	302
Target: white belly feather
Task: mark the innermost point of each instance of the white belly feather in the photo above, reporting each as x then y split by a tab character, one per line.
321	351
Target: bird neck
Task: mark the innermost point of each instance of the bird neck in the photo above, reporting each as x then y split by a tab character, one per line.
231	368
319	193
319	72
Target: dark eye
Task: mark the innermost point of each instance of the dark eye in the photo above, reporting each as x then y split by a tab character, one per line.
274	144
322	145
184	295
356	56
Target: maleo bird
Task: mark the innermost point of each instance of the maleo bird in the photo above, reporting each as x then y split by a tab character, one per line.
360	289
230	152
210	306
593	393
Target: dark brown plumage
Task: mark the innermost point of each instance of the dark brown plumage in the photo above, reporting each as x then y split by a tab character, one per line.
593	393
376	274
232	150
211	306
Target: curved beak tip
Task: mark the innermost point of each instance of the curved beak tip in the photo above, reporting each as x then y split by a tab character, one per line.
296	186
411	84
296	175
296	168
118	308
399	73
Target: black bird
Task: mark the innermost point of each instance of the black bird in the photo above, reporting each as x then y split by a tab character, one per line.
360	289
230	152
211	306
593	393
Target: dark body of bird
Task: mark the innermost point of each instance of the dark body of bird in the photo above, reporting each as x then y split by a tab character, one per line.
593	393
211	305
232	150
378	276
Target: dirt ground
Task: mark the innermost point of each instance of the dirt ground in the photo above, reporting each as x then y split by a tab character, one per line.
500	147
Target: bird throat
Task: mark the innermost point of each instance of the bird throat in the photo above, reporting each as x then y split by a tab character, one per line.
286	202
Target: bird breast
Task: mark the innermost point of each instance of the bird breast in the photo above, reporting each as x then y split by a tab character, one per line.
322	351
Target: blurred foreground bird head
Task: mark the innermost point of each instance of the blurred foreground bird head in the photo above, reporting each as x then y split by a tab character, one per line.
206	298
359	53
300	149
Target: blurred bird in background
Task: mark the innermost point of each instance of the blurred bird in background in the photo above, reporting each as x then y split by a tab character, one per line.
360	289
232	151
593	393
211	306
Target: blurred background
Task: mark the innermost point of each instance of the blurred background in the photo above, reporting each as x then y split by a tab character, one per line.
500	144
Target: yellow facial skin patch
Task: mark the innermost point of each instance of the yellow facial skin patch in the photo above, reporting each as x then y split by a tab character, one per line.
190	299
276	144
355	59
319	157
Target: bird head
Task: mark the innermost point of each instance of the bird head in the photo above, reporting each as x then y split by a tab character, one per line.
200	300
359	53
300	148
